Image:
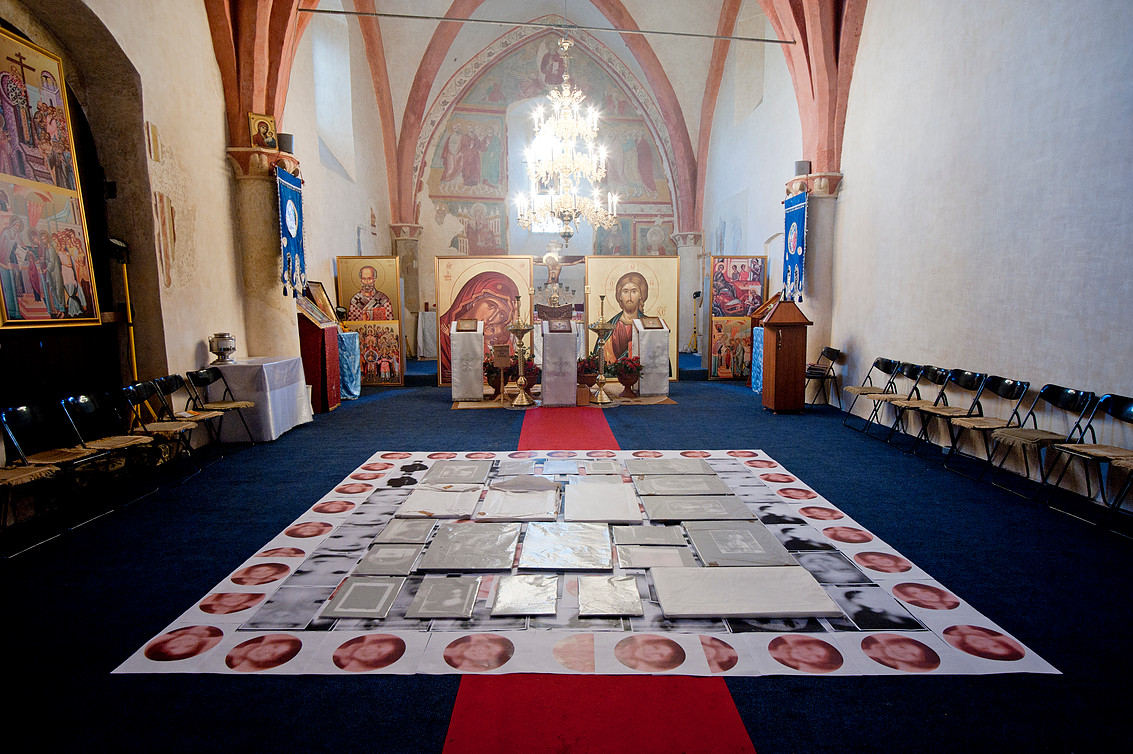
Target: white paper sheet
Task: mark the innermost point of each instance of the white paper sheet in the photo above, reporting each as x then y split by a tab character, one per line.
427	503
763	592
507	505
616	504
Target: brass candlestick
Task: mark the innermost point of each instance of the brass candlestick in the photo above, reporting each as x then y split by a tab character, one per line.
602	329
519	330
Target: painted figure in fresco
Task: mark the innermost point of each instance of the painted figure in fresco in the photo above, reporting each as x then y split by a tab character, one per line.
369	303
10	255
482	239
451	154
490	158
613	242
488	297
645	165
264	137
631	292
655	242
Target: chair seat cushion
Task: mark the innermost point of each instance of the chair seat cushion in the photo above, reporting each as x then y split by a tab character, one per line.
912	403
11	476
885	397
863	389
197	416
1017	436
166	429
979	422
229	405
1092	450
1125	463
118	441
61	455
946	410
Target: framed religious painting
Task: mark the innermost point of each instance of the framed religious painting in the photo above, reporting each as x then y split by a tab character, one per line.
317	293
738	285
484	289
730	348
380	348
261	128
634	287
45	264
369	288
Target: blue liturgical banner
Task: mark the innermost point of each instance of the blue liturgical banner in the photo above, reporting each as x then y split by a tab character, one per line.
795	246
293	268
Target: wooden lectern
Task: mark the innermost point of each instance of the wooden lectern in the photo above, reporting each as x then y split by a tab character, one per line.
784	357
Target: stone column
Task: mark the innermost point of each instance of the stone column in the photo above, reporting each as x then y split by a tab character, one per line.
270	325
406	237
690	248
818	293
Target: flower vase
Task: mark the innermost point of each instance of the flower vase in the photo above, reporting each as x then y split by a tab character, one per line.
628	381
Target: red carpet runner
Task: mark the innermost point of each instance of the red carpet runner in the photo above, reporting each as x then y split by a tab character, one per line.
593	714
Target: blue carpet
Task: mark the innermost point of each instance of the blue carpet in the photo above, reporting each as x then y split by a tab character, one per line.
79	605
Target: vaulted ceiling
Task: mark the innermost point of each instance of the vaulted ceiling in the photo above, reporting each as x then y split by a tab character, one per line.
411	60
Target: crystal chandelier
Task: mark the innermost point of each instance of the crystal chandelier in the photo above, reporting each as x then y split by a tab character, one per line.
562	156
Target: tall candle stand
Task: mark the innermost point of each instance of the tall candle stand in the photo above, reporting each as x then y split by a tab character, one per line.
602	329
519	330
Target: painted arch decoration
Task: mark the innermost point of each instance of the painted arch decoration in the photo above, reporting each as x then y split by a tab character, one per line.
461	156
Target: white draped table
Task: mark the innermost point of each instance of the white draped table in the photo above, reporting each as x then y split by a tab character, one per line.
279	389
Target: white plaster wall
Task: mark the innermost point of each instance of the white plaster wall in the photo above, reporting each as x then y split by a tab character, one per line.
750	159
984	221
168	42
336	207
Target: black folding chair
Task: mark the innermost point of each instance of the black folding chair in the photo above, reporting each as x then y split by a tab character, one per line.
882	366
103	421
1073	402
963	381
1006	389
198	383
1093	455
911	374
822	372
930	375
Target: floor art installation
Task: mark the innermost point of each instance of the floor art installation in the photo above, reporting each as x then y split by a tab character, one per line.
581	562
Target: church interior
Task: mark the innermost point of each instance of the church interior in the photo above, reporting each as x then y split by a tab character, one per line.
187	182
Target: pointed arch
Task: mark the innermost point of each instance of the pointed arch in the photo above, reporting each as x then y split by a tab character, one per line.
683	159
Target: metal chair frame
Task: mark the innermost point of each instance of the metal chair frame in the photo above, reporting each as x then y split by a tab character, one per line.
1068	400
930	375
199	381
912	374
882	365
828	374
1119	408
963	380
1007	389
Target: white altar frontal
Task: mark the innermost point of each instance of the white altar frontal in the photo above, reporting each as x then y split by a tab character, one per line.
467	362
652	347
560	362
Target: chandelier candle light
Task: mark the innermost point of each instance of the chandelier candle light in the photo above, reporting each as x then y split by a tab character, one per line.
563	155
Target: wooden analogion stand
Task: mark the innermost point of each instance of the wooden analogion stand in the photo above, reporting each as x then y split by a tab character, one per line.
784	357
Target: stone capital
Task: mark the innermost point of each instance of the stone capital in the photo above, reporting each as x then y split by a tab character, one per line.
405	232
253	162
816	184
688	238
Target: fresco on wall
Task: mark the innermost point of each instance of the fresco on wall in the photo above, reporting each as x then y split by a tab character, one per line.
466	174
